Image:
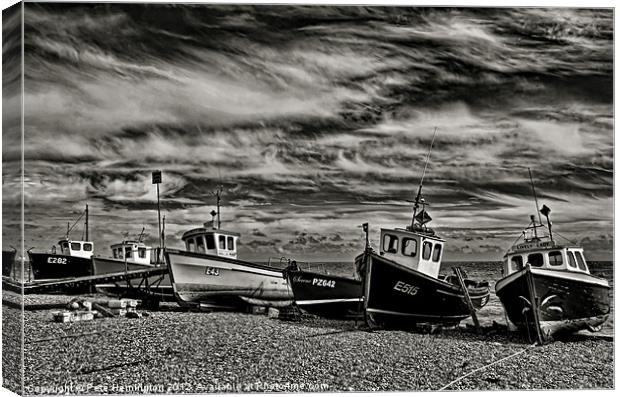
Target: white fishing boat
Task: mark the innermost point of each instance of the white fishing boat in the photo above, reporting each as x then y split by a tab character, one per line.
208	271
129	255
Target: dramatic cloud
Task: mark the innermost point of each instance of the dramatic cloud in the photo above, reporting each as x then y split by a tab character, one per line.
314	120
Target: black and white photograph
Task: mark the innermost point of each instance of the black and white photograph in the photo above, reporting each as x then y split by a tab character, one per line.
207	197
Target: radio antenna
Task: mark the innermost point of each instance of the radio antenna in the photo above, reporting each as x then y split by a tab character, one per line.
417	198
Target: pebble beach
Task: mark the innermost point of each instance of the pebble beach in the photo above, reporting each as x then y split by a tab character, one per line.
176	351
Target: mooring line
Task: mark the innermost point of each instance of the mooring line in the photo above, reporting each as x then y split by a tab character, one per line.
486	366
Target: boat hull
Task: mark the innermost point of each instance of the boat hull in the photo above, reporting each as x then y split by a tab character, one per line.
225	282
53	266
156	287
398	296
326	296
567	302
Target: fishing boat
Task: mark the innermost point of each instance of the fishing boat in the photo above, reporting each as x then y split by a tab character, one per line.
208	272
128	255
71	259
325	295
8	262
547	289
402	284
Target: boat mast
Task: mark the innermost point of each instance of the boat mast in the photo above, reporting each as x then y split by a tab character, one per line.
417	198
535	203
218	194
534	193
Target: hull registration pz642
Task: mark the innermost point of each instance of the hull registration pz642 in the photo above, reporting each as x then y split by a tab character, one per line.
319	282
406	288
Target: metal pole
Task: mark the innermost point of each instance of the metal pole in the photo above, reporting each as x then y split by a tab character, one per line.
86	222
219	224
158	223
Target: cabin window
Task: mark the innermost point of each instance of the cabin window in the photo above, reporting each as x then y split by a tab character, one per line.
580	261
210	241
76	246
127	252
516	262
535	260
427	247
88	247
231	243
222	242
390	244
114	253
200	244
410	246
555	258
191	244
64	246
571	259
437	253
142	252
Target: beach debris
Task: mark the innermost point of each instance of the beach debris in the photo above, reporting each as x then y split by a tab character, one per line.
105	312
77	310
273	312
257	309
133	314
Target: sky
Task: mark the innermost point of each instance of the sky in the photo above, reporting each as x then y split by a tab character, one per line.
314	119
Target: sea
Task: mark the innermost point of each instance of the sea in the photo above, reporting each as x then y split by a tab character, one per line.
489	271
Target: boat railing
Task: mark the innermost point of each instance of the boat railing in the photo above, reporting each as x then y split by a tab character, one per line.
283	262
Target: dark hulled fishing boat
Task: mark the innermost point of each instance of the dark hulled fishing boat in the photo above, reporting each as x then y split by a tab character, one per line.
73	260
548	289
402	285
325	295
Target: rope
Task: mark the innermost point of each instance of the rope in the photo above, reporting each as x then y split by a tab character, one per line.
486	366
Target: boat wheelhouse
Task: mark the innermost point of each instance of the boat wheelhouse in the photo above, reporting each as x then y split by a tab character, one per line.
545	254
208	240
417	249
76	248
132	251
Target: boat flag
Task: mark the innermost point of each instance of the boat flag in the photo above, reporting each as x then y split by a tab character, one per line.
365	227
423	217
545	210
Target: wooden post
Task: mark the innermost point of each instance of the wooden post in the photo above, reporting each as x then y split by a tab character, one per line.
470	305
